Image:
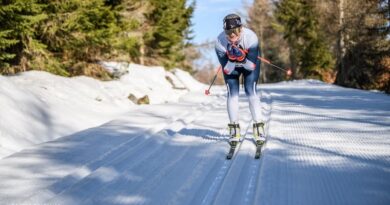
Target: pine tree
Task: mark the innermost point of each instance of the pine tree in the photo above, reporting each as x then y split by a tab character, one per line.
170	23
19	46
70	37
80	33
309	53
6	41
128	42
272	45
366	64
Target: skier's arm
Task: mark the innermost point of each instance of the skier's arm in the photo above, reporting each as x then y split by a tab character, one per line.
251	56
228	66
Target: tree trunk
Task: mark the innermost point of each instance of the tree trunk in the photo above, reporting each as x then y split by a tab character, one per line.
341	39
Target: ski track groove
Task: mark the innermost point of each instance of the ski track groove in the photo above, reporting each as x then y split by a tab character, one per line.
255	167
154	152
254	164
44	191
300	150
222	173
82	185
105	158
149	185
198	172
217	181
196	179
243	164
152	183
183	121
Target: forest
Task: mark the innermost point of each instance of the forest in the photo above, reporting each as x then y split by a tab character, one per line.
346	42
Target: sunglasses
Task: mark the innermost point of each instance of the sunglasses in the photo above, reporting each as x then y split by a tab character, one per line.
236	31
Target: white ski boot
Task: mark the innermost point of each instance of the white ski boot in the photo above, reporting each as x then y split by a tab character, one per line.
234	133
259	133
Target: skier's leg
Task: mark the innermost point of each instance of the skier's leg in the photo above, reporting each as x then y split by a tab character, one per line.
232	85
250	82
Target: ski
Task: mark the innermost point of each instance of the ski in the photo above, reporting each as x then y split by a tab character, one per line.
231	151
258	150
259	137
235	138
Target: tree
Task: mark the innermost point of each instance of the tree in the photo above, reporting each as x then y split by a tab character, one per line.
19	46
309	53
272	44
366	63
70	37
82	33
170	28
128	42
6	41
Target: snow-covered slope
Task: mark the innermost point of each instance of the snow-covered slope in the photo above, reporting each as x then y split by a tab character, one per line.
36	106
326	145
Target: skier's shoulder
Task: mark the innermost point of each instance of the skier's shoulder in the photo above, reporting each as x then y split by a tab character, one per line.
221	38
221	41
248	31
249	36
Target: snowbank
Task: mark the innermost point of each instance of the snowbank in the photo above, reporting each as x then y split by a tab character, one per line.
37	106
188	81
151	81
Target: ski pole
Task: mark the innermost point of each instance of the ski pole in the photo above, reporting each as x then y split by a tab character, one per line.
288	71
207	92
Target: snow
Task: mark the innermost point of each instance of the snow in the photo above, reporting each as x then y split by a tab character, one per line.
186	79
37	107
325	144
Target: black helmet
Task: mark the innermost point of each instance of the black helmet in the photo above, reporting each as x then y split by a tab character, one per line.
231	21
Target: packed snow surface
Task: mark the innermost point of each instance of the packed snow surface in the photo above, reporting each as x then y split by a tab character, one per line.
325	145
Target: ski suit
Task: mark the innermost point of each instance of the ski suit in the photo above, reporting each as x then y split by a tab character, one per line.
232	71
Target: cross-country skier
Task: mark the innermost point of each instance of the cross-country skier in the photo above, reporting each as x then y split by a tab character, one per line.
237	48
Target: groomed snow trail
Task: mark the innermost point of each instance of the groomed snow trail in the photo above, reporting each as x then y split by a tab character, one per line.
326	145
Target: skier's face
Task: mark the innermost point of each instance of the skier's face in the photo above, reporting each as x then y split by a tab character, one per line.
233	35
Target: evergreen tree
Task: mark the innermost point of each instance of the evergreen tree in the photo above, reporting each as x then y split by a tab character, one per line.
272	45
309	53
128	42
70	37
19	46
6	41
170	23
366	64
80	33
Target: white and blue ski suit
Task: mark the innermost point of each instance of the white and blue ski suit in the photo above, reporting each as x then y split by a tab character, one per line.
232	71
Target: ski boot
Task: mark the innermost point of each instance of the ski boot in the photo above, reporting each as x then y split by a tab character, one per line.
259	133
234	133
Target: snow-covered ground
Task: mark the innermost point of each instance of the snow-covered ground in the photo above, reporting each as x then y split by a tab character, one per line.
326	145
37	107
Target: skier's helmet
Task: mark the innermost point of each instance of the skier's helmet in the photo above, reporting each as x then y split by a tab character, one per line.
232	24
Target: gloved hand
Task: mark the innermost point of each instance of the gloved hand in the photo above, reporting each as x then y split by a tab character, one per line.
229	69
235	53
